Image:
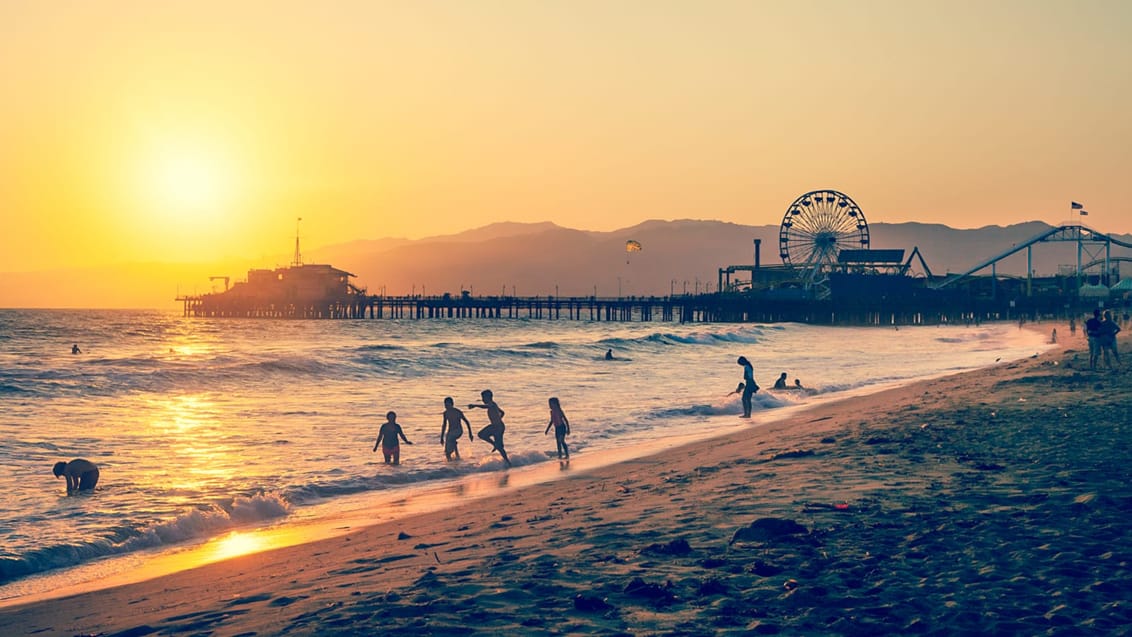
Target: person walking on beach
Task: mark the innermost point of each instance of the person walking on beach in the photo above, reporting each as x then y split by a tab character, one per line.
1092	333
81	474
561	426
748	386
452	429
493	432
387	438
1106	336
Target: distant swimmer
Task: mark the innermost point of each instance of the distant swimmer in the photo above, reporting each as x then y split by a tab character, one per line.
387	438
781	382
608	354
493	432
75	349
798	383
81	474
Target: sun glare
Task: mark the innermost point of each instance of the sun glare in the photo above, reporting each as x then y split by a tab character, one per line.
187	180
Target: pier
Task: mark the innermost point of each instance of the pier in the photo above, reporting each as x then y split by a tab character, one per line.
934	309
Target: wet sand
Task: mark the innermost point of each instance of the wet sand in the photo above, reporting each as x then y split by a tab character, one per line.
991	502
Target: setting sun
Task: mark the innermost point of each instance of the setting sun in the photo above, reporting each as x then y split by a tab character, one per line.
186	179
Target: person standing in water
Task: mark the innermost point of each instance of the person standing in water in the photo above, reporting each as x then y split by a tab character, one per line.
493	432
561	426
387	438
451	429
749	387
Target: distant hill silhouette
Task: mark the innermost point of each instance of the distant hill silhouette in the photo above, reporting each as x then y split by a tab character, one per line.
531	259
534	258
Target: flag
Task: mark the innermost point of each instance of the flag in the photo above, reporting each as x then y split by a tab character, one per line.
1075	206
1084	213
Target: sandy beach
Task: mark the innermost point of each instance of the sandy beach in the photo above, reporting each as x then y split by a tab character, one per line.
990	502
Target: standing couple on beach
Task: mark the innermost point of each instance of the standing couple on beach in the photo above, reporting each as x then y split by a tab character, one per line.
1101	333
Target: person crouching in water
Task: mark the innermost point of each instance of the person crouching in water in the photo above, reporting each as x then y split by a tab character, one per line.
81	474
493	432
561	427
387	438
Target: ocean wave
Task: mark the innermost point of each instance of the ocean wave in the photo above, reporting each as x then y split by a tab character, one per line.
199	523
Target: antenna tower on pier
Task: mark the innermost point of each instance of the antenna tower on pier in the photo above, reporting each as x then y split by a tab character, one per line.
298	255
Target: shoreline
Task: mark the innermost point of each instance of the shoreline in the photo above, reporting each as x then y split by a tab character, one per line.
305	527
920	507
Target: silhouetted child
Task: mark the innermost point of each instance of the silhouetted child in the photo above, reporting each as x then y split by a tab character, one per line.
387	438
493	432
451	429
561	426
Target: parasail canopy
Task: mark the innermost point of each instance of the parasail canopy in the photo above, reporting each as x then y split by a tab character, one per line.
632	246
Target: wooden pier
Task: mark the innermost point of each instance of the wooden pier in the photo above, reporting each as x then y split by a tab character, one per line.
703	308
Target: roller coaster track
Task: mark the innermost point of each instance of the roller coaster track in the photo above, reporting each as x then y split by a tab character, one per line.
1088	243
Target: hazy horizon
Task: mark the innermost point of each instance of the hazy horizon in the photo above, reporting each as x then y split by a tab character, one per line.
191	131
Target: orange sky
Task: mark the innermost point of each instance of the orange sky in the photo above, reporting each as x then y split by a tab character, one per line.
194	131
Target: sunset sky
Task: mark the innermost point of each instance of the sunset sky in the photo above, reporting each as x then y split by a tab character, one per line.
199	130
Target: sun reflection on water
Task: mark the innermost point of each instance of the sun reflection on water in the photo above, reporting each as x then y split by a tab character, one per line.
198	452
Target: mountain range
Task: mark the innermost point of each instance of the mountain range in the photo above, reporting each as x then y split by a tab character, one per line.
530	259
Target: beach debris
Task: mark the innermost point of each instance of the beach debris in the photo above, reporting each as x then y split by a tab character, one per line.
403	536
790	584
679	546
638	587
765	529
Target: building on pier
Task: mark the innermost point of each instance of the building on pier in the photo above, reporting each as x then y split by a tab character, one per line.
302	291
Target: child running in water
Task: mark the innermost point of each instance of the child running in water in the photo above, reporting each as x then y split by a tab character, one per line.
387	438
561	426
451	429
493	432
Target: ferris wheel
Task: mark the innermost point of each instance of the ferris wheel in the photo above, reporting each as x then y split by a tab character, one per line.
815	228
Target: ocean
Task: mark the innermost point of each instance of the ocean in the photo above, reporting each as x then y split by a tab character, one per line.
201	427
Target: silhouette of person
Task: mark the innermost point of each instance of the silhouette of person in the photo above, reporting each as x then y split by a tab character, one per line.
748	386
387	438
781	382
1092	333
608	354
493	432
75	349
81	474
451	429
1106	337
798	383
561	426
